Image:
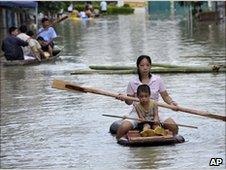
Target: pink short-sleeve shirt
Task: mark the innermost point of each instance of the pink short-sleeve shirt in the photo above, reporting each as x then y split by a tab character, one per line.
156	85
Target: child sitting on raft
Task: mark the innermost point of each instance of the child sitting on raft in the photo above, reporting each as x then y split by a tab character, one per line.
145	110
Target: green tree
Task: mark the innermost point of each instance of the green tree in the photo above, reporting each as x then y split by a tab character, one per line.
51	8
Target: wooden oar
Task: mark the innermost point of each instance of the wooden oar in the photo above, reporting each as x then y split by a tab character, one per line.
59	84
125	117
58	20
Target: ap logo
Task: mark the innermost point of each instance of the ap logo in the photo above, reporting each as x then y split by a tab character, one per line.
216	162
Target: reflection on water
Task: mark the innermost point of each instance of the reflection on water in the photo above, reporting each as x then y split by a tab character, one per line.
43	127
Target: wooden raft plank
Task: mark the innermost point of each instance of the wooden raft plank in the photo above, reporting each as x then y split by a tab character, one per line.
151	139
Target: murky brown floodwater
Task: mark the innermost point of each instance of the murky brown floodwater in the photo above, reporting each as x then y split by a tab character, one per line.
43	127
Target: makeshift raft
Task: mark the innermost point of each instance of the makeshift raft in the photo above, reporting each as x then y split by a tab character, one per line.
133	138
156	68
153	70
213	66
56	54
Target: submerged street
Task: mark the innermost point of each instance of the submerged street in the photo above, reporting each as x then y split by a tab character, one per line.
42	127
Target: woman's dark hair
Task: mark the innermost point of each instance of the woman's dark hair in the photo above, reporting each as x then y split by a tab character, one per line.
140	58
143	88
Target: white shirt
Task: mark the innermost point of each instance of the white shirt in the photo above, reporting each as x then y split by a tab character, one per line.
82	14
70	8
156	86
27	49
48	34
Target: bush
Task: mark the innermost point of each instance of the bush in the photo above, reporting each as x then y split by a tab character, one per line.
79	7
112	9
126	5
119	10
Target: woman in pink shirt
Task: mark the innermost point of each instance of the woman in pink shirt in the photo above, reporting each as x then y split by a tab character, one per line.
157	87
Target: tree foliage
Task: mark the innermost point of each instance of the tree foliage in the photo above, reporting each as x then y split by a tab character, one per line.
52	7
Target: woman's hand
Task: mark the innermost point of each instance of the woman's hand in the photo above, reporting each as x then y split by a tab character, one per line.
173	103
120	97
168	100
124	117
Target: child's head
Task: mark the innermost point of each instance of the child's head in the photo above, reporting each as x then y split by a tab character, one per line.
143	93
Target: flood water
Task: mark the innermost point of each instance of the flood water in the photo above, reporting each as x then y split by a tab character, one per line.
42	127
